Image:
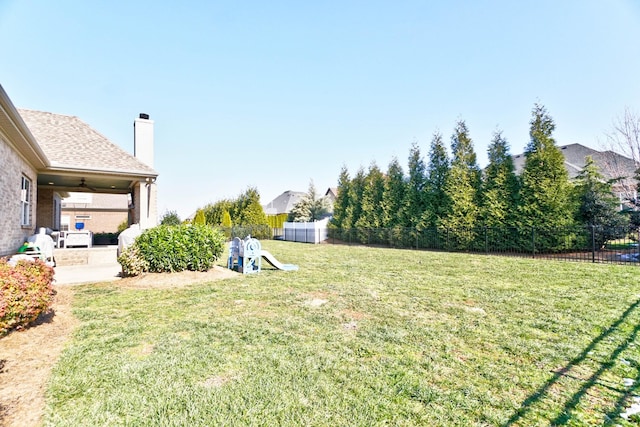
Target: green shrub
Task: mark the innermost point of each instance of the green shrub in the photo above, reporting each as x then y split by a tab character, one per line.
26	291
123	226
175	248
105	238
132	262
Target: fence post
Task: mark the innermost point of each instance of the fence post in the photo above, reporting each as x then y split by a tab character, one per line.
533	241
593	244
447	247
486	241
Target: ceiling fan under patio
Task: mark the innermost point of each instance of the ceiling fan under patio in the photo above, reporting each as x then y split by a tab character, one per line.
84	185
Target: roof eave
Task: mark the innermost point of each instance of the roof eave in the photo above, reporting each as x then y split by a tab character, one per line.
19	134
101	171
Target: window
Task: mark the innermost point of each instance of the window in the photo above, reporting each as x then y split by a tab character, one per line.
25	202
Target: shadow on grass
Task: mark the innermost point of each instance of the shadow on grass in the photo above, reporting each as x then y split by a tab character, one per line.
565	414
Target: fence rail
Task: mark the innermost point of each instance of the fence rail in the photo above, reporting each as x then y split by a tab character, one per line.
587	244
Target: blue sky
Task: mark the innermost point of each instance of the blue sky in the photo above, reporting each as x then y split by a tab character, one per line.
274	94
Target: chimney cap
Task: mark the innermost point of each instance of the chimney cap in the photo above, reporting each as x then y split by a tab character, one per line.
144	116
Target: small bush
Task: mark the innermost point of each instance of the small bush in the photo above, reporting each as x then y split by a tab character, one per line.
123	226
174	248
132	262
26	291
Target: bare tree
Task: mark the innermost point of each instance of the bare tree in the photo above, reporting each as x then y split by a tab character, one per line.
624	138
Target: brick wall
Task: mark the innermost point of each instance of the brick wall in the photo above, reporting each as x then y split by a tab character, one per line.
12	235
102	221
45	208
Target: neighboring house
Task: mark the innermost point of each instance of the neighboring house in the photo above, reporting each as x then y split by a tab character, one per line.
283	203
45	156
331	195
100	213
613	166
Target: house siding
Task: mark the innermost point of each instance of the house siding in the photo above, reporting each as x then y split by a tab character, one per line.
12	235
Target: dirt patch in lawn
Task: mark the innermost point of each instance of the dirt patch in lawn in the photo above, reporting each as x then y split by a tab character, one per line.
27	356
175	280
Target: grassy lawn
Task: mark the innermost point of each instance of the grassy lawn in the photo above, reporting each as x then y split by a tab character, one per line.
359	337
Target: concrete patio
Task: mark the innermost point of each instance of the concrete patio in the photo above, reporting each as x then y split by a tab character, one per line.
86	265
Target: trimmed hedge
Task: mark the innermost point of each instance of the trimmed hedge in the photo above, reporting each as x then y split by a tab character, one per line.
26	291
172	248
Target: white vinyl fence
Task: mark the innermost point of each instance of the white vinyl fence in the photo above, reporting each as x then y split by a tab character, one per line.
306	232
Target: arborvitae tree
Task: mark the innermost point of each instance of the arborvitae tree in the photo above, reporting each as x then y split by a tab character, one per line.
226	219
597	204
354	209
199	219
500	186
214	213
372	215
462	185
545	200
415	201
310	208
247	209
341	204
437	174
393	196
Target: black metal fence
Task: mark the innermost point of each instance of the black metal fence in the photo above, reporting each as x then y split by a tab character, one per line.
588	244
242	231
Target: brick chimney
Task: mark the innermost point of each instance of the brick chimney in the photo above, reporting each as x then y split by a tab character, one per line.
143	139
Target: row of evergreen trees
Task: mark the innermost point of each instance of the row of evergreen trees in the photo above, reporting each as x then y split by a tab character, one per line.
244	214
454	193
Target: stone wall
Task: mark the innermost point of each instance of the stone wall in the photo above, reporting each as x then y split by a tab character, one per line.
12	234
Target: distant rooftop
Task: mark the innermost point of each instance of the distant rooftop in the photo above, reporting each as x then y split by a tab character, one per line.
611	164
283	203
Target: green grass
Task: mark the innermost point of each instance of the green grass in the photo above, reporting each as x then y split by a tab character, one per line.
403	338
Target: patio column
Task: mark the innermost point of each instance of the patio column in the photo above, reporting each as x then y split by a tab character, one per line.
145	206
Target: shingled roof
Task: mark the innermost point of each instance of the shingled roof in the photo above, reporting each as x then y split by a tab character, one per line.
283	203
70	143
611	164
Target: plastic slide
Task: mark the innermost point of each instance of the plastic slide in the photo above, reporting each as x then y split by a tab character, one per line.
277	264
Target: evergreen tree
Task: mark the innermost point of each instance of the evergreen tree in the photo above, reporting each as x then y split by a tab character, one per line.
415	201
354	209
170	218
310	208
462	186
545	200
341	204
226	219
438	201
371	214
214	212
199	219
247	209
393	195
500	186
597	206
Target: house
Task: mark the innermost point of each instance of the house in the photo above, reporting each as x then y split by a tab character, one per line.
45	156
612	166
331	195
100	212
283	203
